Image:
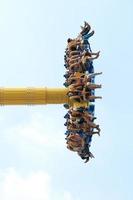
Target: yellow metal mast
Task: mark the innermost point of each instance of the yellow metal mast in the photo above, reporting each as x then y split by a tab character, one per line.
33	96
36	96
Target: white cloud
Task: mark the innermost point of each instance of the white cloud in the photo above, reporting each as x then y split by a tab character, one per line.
35	139
67	196
35	186
37	131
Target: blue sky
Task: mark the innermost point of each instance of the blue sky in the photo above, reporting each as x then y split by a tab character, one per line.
34	162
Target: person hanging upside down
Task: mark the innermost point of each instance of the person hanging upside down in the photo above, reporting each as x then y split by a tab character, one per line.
85	154
74	53
75	142
91	125
85	29
79	64
74	113
88	97
92	86
72	44
79	86
89	56
77	67
82	78
80	96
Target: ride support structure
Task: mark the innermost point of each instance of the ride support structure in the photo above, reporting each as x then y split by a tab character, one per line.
78	95
36	96
33	96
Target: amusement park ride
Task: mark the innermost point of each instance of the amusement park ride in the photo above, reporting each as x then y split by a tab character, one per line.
78	96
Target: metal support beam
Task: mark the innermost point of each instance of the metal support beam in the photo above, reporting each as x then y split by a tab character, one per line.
33	96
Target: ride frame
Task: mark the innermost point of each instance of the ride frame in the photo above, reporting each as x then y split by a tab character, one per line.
36	96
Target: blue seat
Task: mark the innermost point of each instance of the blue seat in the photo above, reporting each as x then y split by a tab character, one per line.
91	68
66	106
67	116
89	139
93	80
91	108
92	92
67	132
